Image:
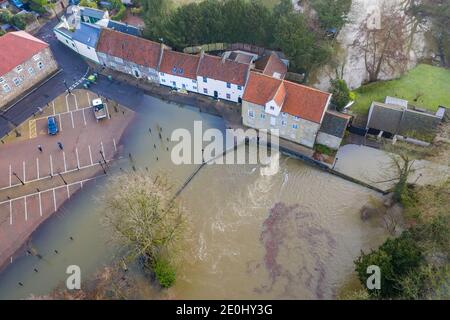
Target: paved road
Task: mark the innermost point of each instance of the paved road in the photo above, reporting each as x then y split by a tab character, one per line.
73	66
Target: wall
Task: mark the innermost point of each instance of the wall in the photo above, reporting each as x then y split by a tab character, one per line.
129	67
167	79
65	40
328	140
86	51
221	87
305	134
28	79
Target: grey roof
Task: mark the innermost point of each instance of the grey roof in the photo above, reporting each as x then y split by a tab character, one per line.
396	101
125	28
87	34
384	117
334	123
91	12
418	122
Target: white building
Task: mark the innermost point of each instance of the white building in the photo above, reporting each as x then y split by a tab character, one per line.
222	78
179	70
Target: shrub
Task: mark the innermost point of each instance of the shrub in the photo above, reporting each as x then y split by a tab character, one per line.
341	93
5	16
164	272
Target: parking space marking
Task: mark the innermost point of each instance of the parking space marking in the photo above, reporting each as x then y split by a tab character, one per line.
10	212
37	167
25	206
65	163
68	192
107	111
10	176
115	146
53	104
54	199
84	117
90	154
51	165
71	116
78	158
103	149
40	204
60	123
67	103
23	169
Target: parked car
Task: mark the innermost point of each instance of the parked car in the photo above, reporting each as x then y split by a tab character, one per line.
52	125
99	109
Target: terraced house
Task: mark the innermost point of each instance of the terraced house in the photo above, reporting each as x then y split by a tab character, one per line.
130	54
222	78
25	61
179	70
296	110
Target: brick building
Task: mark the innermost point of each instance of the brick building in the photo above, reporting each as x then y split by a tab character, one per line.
25	61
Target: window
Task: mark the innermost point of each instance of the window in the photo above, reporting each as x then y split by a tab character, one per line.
228	85
251	114
184	86
180	71
194	87
296	118
295	126
163	80
194	81
284	114
88	48
263	116
205	79
174	69
40	65
283	123
2	80
273	121
6	88
205	91
228	96
31	71
19	68
239	87
174	83
162	73
272	108
17	81
67	41
36	57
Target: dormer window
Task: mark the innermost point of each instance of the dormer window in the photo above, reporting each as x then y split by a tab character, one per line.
174	69
228	85
19	68
205	79
296	118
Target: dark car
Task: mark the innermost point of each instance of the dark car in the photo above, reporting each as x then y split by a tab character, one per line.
52	125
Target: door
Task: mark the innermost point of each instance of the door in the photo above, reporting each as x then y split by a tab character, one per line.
216	94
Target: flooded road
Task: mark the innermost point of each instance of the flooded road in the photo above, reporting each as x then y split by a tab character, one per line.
291	235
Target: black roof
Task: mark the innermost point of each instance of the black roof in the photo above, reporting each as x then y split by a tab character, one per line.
334	123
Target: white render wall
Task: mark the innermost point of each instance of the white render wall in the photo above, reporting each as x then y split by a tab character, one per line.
166	79
328	140
221	87
86	51
65	40
305	134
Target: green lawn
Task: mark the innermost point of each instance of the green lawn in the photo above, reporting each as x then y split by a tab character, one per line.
424	86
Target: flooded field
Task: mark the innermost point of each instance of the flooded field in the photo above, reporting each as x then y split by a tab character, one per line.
291	235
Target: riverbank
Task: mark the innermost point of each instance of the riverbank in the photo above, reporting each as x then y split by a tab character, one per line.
35	183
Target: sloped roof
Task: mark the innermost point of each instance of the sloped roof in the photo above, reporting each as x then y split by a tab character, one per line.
16	48
92	12
385	117
223	69
301	101
138	50
179	64
272	65
419	122
87	34
260	89
124	27
334	123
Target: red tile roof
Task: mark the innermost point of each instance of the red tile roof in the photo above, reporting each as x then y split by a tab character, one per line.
17	48
138	50
271	64
260	89
223	69
179	64
301	101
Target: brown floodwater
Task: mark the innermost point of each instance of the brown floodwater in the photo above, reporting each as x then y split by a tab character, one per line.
292	235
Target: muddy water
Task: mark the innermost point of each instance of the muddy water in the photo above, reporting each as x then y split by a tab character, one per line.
291	235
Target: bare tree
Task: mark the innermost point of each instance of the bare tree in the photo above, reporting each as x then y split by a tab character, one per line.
381	40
